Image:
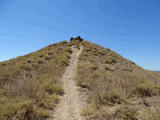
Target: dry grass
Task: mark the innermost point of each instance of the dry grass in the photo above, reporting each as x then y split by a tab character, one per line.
30	85
114	81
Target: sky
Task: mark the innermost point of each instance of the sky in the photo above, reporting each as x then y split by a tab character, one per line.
128	27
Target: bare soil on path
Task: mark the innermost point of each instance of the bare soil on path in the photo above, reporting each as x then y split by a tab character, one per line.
71	103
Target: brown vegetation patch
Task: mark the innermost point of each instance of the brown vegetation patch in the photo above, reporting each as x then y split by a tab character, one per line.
113	81
30	85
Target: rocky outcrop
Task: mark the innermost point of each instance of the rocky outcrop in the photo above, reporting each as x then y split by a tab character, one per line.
79	39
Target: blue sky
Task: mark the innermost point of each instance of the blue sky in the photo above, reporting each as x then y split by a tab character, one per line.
129	27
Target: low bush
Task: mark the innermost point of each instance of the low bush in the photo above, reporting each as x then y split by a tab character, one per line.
126	113
148	89
113	97
16	108
110	60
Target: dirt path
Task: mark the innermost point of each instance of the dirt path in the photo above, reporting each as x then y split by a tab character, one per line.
71	103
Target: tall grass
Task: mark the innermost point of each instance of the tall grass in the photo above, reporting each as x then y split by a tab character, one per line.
30	85
115	84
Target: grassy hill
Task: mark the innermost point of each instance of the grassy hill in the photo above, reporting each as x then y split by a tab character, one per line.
117	88
30	85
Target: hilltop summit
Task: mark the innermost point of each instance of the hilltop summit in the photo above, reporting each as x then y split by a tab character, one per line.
79	39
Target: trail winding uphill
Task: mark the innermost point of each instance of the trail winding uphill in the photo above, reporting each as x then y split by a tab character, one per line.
71	103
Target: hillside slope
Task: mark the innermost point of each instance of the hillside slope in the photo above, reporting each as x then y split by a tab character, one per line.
30	85
118	89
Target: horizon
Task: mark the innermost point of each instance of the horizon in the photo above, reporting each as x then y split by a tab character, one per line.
130	28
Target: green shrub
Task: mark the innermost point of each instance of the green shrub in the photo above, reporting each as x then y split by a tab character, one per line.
69	50
63	42
126	113
110	60
148	89
41	113
49	101
15	107
57	88
54	88
113	97
93	67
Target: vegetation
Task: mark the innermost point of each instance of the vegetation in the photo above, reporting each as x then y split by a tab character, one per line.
30	85
117	87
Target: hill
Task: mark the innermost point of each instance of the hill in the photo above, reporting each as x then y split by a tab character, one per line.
116	88
29	85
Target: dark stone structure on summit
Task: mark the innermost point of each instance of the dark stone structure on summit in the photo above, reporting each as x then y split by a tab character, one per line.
76	39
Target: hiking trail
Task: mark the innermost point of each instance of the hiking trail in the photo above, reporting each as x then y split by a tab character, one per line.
71	102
